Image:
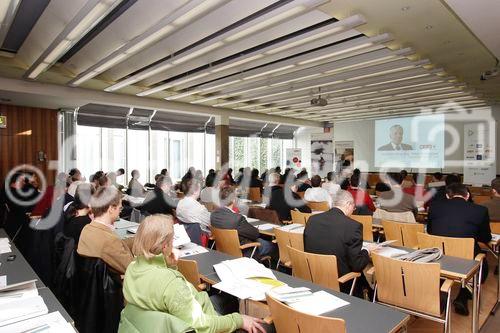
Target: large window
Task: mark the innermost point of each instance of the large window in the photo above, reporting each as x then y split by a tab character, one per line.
150	151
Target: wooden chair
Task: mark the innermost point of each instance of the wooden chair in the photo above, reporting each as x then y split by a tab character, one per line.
254	194
455	247
301	194
367	222
298	217
406	217
479	199
264	214
319	205
319	269
289	320
227	241
404	233
189	268
210	206
284	239
495	227
413	288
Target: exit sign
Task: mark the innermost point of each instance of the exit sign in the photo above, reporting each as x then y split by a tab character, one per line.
3	121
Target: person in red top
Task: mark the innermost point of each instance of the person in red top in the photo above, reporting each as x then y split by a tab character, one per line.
361	198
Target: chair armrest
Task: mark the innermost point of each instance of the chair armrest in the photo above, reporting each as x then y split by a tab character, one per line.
348	276
268	320
202	286
248	245
480	257
371	270
274	241
446	286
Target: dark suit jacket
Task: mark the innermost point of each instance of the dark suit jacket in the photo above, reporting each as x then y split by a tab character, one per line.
334	233
157	202
459	218
278	203
224	218
388	147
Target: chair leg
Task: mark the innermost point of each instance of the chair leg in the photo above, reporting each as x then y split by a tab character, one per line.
479	284
278	264
213	244
375	294
447	323
353	285
253	252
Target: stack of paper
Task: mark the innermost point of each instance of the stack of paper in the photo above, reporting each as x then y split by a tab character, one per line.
266	226
237	278
383	249
298	228
53	322
19	302
318	303
191	249
288	294
251	219
5	245
124	224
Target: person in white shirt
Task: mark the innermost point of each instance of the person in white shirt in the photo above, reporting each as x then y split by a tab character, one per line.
316	193
210	194
189	210
331	185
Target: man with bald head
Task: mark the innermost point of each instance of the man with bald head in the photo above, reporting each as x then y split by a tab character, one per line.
396	135
335	233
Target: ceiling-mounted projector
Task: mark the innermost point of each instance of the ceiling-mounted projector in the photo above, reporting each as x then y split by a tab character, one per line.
319	101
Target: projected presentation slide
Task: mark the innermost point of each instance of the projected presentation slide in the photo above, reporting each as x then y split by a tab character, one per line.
410	142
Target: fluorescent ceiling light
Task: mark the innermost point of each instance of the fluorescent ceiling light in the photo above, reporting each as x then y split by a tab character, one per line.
84	78
182	95
110	63
197	53
354	48
150	38
305	40
91	19
398	80
220	85
268	72
58	51
39	69
193	13
264	24
237	63
206	99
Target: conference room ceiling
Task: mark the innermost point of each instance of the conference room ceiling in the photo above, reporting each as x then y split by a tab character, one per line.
367	58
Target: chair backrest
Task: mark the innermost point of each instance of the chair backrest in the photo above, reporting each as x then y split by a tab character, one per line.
409	285
495	227
298	217
287	238
394	216
318	268
194	232
264	214
289	320
319	205
227	241
367	222
479	199
254	194
451	246
189	268
404	233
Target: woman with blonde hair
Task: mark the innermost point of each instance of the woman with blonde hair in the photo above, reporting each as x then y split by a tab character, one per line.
153	283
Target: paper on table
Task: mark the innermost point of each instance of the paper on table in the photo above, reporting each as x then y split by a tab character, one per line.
318	303
495	237
390	252
266	226
17	291
133	230
123	224
292	227
21	309
180	236
5	245
191	249
251	219
53	322
3	281
247	268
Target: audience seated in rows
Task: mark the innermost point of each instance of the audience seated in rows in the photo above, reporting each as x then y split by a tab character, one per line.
98	239
282	199
395	200
153	283
161	200
78	214
330	185
456	217
224	217
303	180
255	181
189	210
362	200
135	188
316	193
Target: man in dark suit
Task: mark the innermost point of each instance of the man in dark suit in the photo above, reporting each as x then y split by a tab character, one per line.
334	233
225	218
282	199
160	200
396	135
456	217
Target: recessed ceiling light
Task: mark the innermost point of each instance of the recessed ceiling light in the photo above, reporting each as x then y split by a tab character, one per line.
428	27
405	8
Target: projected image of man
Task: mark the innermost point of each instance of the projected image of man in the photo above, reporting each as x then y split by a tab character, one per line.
396	135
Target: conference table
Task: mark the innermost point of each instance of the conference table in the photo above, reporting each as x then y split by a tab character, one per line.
18	270
457	269
360	316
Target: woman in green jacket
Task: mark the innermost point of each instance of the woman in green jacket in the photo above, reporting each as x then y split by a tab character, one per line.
152	283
